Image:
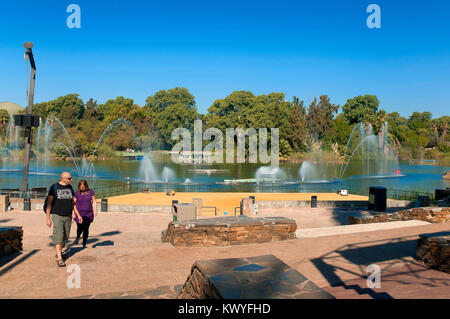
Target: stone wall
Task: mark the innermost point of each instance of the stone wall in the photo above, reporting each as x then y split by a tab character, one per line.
228	231
434	250
36	204
429	214
307	203
10	240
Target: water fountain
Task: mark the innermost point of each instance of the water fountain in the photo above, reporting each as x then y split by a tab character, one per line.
269	174
86	167
167	174
147	170
372	152
308	172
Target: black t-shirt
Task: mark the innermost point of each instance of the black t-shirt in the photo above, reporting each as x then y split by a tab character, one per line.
62	199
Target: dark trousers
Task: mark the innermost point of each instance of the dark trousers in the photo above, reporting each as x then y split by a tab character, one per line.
83	228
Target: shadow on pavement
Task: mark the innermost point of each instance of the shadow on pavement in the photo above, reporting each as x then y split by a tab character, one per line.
73	251
354	257
111	233
7	259
104	243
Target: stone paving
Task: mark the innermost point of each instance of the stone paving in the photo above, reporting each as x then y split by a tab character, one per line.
162	292
125	258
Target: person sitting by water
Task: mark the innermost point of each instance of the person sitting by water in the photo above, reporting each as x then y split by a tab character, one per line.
87	206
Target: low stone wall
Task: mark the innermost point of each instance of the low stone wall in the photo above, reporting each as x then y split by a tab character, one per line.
137	208
10	240
259	277
307	203
429	214
36	204
327	203
226	231
434	250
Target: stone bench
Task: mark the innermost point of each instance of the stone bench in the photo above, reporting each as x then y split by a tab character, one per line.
434	250
10	240
429	214
226	231
260	277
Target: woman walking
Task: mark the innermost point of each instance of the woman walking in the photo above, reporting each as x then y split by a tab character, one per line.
87	207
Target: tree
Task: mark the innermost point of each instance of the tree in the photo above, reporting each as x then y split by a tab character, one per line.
229	112
419	120
297	128
171	109
361	108
398	128
115	109
4	120
320	117
342	131
68	109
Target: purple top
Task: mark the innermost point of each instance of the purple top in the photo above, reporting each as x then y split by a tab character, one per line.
84	205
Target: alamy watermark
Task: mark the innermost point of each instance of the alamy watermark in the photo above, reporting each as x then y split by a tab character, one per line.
213	152
374	20
374	279
74	19
74	279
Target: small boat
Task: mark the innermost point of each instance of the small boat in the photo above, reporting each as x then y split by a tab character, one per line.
446	175
249	181
208	171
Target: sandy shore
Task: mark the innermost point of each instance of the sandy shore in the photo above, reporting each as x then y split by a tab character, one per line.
225	202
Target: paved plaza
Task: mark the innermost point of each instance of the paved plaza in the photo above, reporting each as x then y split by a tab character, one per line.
125	257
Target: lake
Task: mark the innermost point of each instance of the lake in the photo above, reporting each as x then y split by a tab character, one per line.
164	174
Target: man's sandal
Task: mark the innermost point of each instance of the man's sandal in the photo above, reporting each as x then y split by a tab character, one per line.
61	263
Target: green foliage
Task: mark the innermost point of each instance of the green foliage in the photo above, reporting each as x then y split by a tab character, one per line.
4	120
320	117
342	131
301	130
297	128
361	109
60	152
419	121
171	109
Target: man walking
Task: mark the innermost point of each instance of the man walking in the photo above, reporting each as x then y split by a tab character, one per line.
61	208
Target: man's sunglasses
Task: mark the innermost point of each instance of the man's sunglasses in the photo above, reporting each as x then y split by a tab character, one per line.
70	178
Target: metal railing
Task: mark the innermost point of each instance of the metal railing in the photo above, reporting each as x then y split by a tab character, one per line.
210	207
123	189
18	194
396	194
119	189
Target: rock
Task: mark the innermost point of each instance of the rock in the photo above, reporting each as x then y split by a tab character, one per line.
226	231
259	277
171	193
428	214
434	250
10	240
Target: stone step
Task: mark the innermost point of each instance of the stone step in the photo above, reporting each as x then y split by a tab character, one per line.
357	228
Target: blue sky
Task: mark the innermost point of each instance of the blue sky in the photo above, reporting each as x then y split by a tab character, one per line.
303	48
